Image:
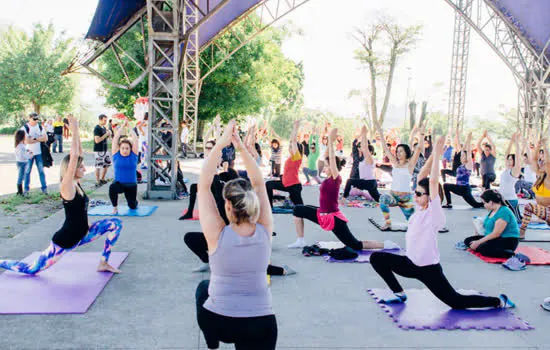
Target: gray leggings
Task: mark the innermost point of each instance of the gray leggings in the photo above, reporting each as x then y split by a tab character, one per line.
313	173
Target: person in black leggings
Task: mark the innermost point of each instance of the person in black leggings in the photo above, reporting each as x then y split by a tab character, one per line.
422	259
458	148
488	159
463	173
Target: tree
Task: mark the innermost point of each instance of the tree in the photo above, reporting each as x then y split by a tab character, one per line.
383	33
256	77
30	70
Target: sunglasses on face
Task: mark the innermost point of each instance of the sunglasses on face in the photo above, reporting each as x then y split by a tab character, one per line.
419	194
208	148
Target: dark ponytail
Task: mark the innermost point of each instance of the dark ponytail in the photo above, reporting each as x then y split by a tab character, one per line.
492	196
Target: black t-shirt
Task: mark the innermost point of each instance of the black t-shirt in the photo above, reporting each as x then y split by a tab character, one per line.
456	160
102	146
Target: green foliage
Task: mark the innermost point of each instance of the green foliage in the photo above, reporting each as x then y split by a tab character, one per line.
8	130
257	76
30	70
11	202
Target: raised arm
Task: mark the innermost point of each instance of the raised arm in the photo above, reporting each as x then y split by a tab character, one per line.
516	171
544	145
434	175
411	137
251	141
479	149
331	157
294	138
211	222
116	138
257	182
365	145
493	147
133	139
387	151
469	161
67	187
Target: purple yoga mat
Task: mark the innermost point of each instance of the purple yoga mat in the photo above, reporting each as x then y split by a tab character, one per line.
68	287
364	256
423	310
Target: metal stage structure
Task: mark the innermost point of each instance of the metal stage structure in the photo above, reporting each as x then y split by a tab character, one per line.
181	36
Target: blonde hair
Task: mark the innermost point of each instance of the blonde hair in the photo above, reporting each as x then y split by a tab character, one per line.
65	165
244	201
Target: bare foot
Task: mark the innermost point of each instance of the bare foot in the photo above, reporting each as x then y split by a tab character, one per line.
105	267
115	211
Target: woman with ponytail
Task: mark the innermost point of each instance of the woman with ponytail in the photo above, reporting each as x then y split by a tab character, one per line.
75	231
499	235
328	215
234	306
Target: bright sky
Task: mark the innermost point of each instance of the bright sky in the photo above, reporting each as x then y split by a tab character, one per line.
326	48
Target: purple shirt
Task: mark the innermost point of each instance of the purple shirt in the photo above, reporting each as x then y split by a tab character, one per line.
463	176
421	236
328	199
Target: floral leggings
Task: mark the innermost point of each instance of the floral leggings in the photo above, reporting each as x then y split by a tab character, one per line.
530	210
392	199
53	253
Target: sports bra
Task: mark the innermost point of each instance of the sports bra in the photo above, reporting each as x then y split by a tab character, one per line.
542	191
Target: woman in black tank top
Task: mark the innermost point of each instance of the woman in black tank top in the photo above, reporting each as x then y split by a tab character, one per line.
75	230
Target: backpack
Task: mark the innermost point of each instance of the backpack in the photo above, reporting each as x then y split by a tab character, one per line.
47	158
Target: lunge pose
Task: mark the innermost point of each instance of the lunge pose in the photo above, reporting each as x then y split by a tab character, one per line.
239	254
75	230
367	179
510	176
290	182
328	215
463	173
403	164
422	258
541	188
125	158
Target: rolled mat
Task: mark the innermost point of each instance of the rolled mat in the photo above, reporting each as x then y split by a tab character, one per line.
537	255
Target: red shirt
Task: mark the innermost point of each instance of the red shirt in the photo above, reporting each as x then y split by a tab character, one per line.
291	170
328	199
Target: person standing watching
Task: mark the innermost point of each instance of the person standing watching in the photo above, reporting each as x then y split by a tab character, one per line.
34	135
184	138
58	134
102	156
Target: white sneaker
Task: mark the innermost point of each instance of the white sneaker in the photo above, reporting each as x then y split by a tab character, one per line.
300	243
390	245
202	268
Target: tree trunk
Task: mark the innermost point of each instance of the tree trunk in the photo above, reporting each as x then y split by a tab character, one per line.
374	110
412	114
393	61
36	107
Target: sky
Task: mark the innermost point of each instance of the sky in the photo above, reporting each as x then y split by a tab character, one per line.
326	48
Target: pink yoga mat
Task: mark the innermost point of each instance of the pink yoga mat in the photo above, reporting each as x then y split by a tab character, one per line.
537	255
68	287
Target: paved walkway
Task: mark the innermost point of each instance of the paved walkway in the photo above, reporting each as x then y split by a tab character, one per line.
325	306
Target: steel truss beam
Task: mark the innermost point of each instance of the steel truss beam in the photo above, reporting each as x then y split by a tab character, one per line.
459	66
217	50
516	52
164	27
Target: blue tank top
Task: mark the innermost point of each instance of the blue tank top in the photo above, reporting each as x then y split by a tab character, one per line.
463	176
238	282
125	168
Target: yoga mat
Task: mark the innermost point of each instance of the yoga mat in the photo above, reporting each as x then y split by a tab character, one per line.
398	226
462	207
68	287
281	210
537	236
123	210
537	255
358	203
533	225
423	311
364	256
195	214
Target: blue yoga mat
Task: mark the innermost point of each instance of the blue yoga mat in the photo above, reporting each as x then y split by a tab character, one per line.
279	210
542	226
123	210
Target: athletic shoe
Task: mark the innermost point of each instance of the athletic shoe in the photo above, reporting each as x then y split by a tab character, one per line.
103	182
397	299
288	270
546	304
300	243
447	206
506	303
514	264
45	192
523	257
202	268
461	245
307	183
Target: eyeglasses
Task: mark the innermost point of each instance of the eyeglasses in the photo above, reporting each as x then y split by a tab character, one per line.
419	194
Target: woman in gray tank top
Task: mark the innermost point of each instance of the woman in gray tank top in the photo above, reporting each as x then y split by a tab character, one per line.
234	306
488	159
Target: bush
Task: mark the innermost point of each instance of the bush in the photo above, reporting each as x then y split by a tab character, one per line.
8	130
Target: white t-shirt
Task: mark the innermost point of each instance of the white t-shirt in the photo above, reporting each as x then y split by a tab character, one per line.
34	132
49	128
529	175
184	135
508	185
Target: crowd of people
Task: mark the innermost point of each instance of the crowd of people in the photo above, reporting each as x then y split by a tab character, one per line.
235	206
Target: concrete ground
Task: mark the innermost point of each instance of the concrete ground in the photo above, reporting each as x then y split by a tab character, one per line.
324	306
